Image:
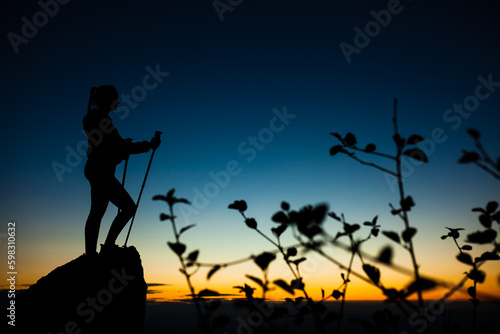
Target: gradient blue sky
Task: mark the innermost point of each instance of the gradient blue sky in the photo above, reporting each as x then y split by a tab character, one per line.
225	79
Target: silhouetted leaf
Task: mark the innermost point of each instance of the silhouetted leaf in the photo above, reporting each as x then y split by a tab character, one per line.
488	256
415	139
213	271
177	248
336	149
264	259
278	231
256	280
160	198
472	292
423	284
485	220
247	289
474	133
284	285
391	294
238	205
375	231
478	210
407	203
482	237
280	217
454	232
251	223
193	256
336	135
468	157
444	237
164	216
417	154
220	321
385	255
292	251
184	229
336	294
464	258
372	272
496	217
348	228
370	148
285	206
408	233
466	247
298	261
297	284
181	200
392	235
208	293
350	139
492	206
477	275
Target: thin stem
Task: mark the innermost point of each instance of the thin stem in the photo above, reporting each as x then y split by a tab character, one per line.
316	317
485	154
402	197
371	164
184	268
486	169
456	243
374	153
346	282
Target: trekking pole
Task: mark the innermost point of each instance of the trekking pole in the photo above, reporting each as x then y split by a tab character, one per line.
128	140
157	135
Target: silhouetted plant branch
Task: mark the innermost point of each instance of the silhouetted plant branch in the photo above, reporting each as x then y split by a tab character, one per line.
481	159
488	215
349	143
205	309
291	252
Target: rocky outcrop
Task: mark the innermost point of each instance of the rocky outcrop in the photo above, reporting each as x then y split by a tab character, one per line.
103	294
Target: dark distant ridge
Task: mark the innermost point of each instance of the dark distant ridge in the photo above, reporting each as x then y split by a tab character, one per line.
106	294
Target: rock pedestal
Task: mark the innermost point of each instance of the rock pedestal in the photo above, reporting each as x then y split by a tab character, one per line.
104	294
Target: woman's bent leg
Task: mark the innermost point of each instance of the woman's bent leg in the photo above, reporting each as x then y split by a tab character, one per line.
120	198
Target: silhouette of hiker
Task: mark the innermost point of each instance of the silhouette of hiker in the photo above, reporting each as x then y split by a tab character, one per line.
106	150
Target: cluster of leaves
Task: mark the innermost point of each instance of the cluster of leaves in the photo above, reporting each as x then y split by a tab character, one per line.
487	216
480	157
306	221
349	142
206	308
307	225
